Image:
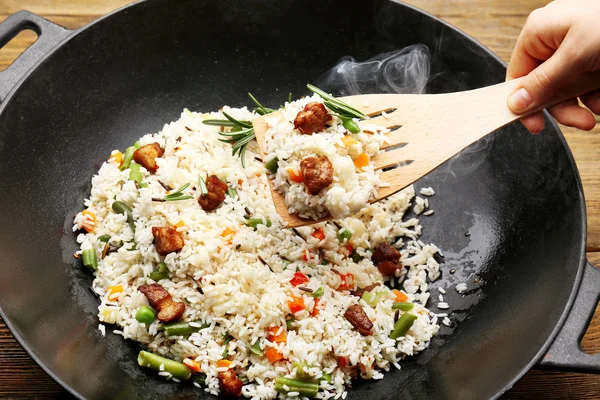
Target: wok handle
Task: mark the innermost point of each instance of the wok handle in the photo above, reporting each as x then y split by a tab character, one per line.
49	35
565	353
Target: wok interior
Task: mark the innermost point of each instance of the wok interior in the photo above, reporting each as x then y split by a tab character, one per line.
508	211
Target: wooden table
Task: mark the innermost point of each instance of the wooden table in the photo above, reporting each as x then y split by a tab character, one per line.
496	24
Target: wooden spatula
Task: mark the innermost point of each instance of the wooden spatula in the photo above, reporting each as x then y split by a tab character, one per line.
426	130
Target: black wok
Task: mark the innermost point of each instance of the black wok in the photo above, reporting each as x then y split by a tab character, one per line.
510	214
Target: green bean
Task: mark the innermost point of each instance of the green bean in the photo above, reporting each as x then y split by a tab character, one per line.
145	315
308	389
255	348
290	323
153	361
104	238
121	208
324	262
299	367
135	174
373	298
402	326
356	257
90	259
402	305
319	292
128	156
255	222
200	379
231	192
183	328
344	235
351	125
272	165
244	380
162	267
162	273
326	377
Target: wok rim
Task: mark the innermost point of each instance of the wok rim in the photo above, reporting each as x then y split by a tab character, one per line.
552	125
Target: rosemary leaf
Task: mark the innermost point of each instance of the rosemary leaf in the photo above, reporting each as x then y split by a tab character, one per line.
244	124
203	188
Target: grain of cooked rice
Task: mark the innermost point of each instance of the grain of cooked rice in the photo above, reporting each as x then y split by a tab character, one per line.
427	191
428	212
461	287
443	305
441	290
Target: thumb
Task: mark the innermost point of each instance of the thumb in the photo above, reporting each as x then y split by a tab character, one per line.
551	82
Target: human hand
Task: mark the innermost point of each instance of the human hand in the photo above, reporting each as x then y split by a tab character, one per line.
558	54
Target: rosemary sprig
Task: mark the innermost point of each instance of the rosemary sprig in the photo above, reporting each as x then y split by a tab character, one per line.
175	196
336	105
241	133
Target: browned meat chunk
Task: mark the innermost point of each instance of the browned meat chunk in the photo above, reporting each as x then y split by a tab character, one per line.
167	239
359	319
168	309
317	172
312	119
386	252
387	259
388	268
216	193
360	291
146	156
230	384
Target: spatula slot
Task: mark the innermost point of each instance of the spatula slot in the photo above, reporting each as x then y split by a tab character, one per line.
395	146
394	128
376	114
398	165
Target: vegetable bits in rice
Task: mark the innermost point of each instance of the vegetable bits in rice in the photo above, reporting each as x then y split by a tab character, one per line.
191	260
320	160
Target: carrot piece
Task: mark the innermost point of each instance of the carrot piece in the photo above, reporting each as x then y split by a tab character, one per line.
273	355
113	291
274	337
298	279
192	364
116	157
315	310
240	182
306	256
228	235
224	364
361	161
400	296
90	222
343	362
297	177
349	248
319	234
180	224
348	141
295	304
347	281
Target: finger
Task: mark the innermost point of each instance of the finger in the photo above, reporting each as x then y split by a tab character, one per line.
534	122
570	113
544	85
543	32
592	101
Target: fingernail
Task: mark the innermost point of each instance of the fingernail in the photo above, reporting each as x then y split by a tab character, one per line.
519	100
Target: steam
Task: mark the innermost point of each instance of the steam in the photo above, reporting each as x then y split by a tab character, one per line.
400	71
404	71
